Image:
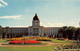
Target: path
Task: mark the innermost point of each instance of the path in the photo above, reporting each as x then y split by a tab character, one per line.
48	44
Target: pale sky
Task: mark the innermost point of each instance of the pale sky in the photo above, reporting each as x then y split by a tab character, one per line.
52	13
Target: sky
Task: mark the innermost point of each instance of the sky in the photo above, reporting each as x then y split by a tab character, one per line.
52	13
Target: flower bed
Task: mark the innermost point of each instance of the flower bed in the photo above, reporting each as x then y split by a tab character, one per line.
16	42
29	38
43	39
24	42
31	42
17	38
73	47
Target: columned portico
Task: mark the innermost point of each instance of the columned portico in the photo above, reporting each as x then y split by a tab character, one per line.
35	31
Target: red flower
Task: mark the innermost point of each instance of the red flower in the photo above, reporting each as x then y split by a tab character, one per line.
32	41
17	42
26	42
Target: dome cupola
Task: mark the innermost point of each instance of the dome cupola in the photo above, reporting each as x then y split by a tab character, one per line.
35	17
35	21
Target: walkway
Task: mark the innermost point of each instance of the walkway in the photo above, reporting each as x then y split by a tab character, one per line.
48	44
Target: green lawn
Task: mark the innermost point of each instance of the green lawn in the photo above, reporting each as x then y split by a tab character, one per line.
2	40
47	48
62	41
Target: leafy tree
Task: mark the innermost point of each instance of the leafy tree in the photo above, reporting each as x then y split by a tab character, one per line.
62	31
77	34
68	32
71	30
4	33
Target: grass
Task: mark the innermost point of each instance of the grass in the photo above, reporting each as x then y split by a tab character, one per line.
44	48
53	40
25	44
47	48
2	40
62	41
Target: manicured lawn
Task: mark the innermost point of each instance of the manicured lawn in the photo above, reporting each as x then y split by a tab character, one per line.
44	48
62	41
2	40
47	48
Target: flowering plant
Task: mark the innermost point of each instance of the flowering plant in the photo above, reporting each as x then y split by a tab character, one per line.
43	39
31	42
24	42
17	42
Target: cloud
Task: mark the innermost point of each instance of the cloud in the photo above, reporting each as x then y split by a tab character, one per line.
55	0
41	23
57	24
19	26
74	23
50	24
3	3
11	17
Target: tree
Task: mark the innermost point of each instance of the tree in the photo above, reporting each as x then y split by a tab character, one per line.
62	32
77	34
68	32
0	32
71	30
4	33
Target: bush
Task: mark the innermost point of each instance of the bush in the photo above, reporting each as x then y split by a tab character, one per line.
73	46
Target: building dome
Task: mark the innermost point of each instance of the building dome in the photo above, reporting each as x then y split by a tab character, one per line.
35	17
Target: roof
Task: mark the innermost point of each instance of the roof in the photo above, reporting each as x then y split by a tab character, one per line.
35	17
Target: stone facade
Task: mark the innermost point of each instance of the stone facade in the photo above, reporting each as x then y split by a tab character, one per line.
34	30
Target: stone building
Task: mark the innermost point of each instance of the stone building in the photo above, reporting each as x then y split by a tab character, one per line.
34	30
